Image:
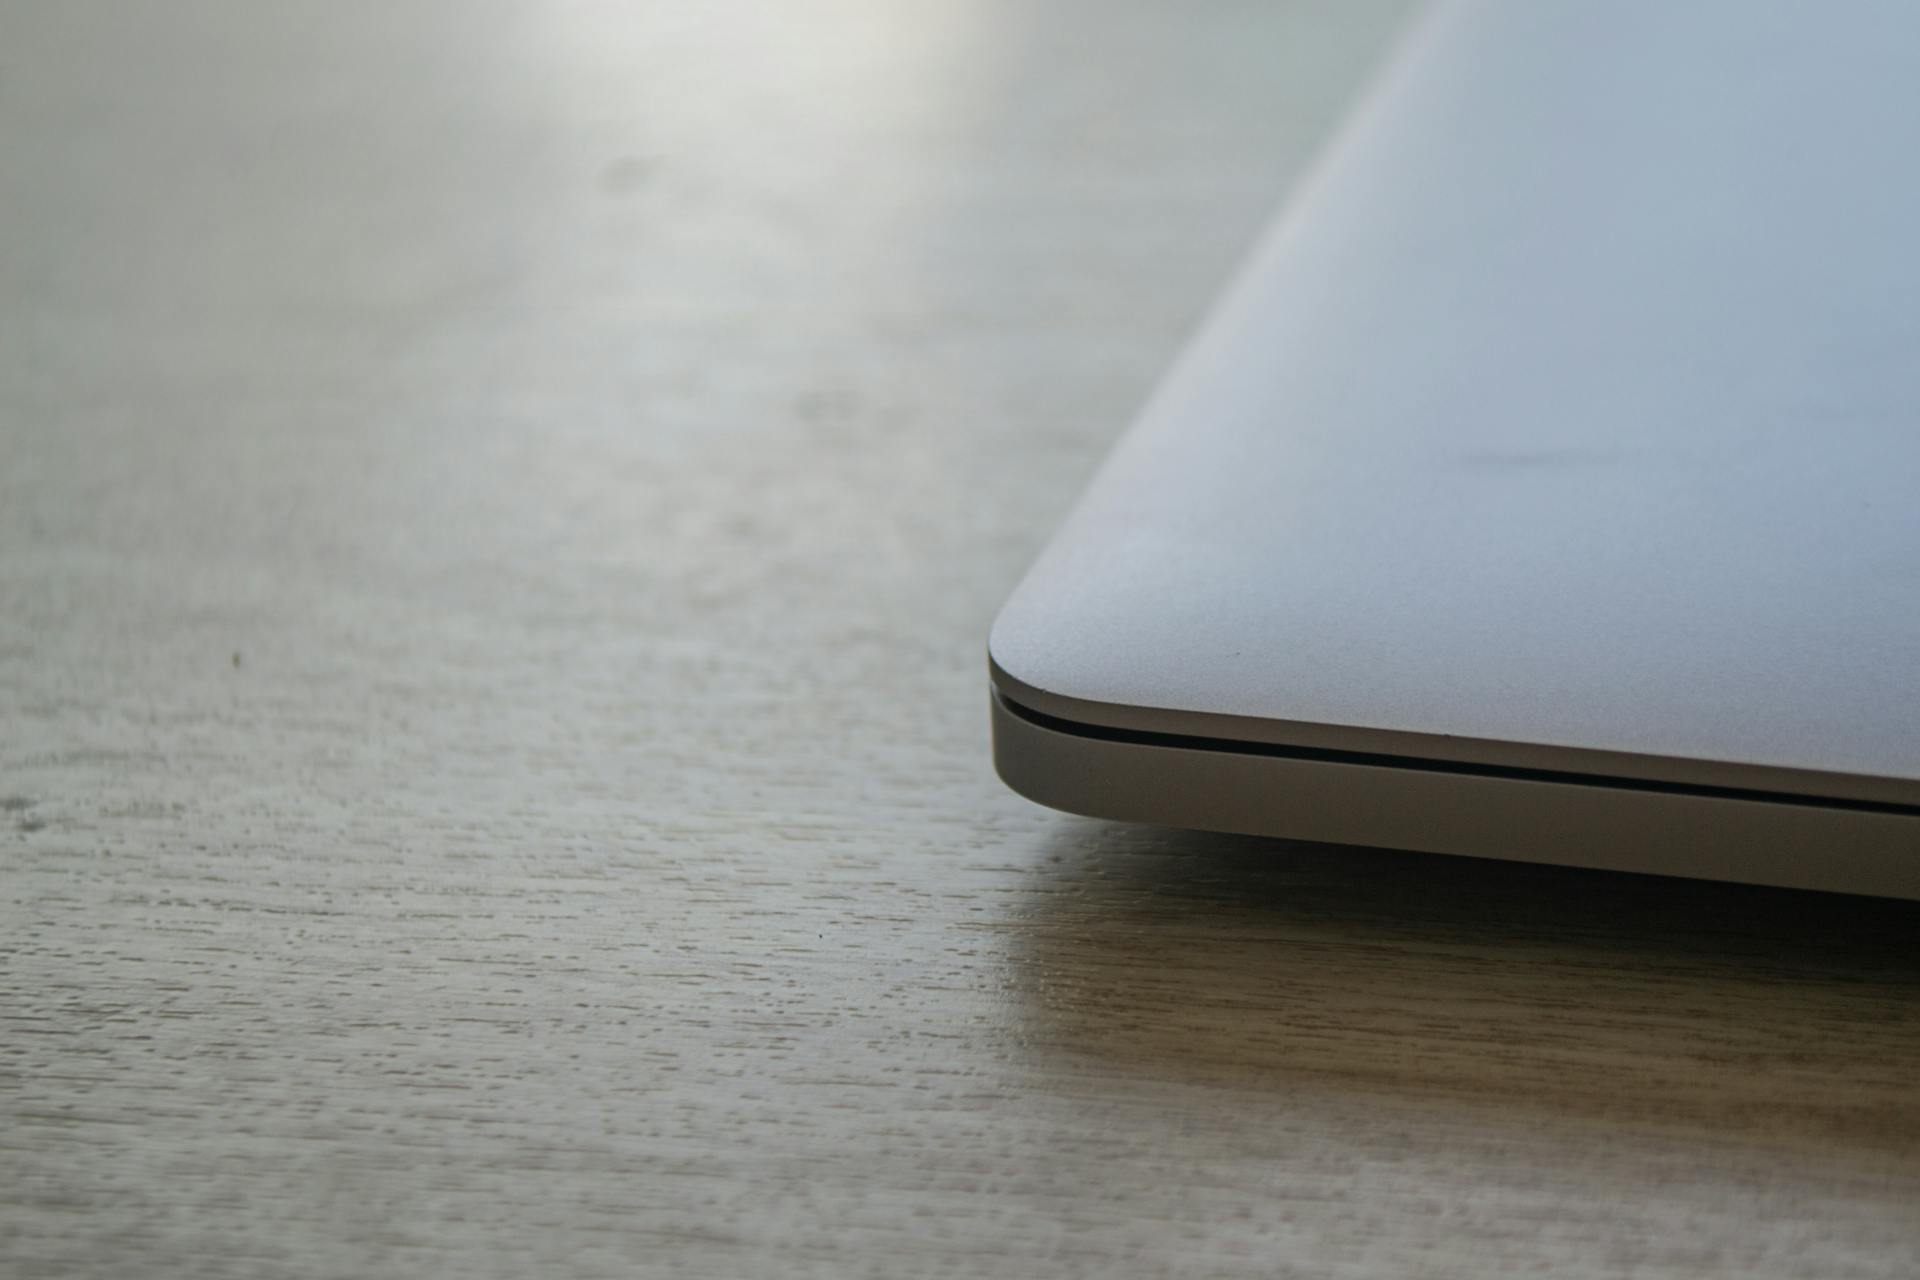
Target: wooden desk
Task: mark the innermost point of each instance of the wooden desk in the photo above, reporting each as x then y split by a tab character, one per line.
499	510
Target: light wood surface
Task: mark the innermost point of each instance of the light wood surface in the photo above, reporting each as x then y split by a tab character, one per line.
499	510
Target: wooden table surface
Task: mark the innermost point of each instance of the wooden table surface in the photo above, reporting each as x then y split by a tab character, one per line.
500	505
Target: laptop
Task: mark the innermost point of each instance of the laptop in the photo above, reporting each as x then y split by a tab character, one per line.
1547	487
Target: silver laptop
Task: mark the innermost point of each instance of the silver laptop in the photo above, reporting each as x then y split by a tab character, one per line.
1548	486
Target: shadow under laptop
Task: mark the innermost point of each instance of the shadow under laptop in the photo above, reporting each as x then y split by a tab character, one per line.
1268	965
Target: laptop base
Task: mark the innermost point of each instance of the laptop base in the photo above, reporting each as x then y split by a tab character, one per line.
1439	807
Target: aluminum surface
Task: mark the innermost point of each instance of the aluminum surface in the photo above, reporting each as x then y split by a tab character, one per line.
1567	419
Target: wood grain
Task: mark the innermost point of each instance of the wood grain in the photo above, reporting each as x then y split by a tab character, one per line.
500	508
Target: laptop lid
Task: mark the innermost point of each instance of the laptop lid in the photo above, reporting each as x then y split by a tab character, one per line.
1569	418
